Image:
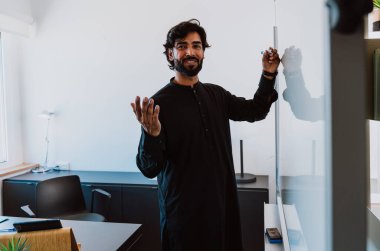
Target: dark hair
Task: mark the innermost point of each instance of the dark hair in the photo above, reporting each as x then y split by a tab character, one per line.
180	31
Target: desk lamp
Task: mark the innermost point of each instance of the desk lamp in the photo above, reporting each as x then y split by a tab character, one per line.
242	177
43	168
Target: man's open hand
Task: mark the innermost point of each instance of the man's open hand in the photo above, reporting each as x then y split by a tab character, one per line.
147	115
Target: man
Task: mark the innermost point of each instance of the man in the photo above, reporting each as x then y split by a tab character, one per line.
186	142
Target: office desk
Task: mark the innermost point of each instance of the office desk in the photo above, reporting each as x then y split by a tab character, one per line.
96	235
134	200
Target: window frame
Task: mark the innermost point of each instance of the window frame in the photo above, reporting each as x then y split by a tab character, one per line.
3	115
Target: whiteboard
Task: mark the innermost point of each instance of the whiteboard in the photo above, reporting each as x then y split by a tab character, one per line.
302	121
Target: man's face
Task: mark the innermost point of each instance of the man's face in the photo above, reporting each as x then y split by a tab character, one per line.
187	54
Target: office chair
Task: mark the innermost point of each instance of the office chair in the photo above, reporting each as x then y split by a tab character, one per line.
62	198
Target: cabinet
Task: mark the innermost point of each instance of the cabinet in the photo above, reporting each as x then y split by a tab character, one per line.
251	203
134	200
140	205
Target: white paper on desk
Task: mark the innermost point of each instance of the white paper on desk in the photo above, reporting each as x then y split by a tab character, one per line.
27	210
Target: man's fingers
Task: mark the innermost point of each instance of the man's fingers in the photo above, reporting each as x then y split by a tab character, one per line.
273	56
138	108
155	115
272	50
133	107
149	112
144	110
156	125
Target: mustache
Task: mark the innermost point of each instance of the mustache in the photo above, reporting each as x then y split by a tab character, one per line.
190	58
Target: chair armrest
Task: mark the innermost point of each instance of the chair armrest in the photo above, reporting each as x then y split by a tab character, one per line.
28	211
101	191
105	199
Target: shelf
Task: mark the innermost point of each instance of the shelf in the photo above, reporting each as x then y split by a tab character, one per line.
271	219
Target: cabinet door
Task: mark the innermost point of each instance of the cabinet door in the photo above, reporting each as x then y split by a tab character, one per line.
140	205
115	210
17	194
251	203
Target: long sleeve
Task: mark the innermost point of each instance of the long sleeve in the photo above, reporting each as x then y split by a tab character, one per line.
150	156
255	109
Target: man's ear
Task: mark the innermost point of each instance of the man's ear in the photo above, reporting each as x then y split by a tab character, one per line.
170	54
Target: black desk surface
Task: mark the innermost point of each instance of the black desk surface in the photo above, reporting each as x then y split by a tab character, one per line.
93	235
117	178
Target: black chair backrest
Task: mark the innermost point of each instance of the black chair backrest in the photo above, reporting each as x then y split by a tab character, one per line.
59	196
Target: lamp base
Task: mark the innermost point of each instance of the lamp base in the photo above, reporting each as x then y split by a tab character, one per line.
40	169
245	178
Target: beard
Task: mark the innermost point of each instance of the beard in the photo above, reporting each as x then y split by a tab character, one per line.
191	70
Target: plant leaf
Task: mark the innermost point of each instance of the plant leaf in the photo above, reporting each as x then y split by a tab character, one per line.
18	244
3	247
11	244
376	3
22	244
27	247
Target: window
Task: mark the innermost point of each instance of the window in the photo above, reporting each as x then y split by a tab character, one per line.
3	129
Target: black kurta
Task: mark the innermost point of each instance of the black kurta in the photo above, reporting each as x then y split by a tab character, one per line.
193	160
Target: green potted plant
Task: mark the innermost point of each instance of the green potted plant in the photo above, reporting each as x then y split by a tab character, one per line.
19	245
374	17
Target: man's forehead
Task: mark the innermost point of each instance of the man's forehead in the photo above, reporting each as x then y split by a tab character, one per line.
190	38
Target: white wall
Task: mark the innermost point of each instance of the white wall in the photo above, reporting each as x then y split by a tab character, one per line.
89	59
